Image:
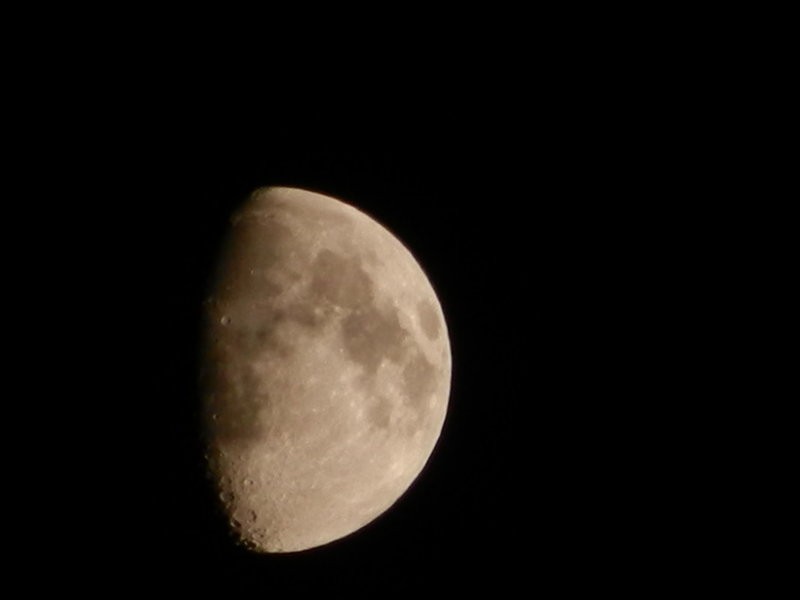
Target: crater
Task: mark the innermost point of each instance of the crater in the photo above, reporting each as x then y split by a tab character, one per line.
429	319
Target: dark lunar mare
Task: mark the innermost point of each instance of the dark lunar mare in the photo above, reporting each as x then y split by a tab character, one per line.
371	334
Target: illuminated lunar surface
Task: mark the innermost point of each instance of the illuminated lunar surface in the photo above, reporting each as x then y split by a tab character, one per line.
326	370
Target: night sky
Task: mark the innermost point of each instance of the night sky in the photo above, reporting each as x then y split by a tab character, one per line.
580	190
509	212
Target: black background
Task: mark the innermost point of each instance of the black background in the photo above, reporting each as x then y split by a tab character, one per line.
512	210
558	180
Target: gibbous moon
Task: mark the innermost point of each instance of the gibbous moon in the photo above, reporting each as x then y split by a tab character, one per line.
326	371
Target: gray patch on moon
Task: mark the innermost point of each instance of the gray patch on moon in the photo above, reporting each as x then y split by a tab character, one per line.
420	381
370	333
428	319
266	338
379	412
306	314
372	336
340	281
234	408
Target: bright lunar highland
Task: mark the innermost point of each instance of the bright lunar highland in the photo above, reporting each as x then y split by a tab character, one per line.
326	370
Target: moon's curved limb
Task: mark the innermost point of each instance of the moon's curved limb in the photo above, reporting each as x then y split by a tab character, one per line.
327	370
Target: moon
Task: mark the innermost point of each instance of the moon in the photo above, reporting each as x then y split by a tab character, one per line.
326	370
